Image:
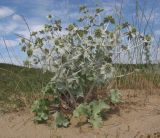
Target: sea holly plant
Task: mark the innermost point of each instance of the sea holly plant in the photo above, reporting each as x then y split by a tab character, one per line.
80	58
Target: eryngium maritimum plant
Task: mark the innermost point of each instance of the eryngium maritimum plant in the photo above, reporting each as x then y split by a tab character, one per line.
80	59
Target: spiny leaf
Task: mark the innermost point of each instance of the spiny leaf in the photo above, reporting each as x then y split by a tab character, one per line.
29	52
115	96
97	107
98	33
82	8
82	109
70	27
96	121
109	19
40	108
98	10
60	120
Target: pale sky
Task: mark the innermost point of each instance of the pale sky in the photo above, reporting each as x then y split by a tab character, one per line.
36	11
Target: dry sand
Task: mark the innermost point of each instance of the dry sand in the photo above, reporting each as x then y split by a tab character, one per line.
138	117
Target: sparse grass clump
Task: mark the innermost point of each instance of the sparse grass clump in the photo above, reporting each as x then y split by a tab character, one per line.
19	86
